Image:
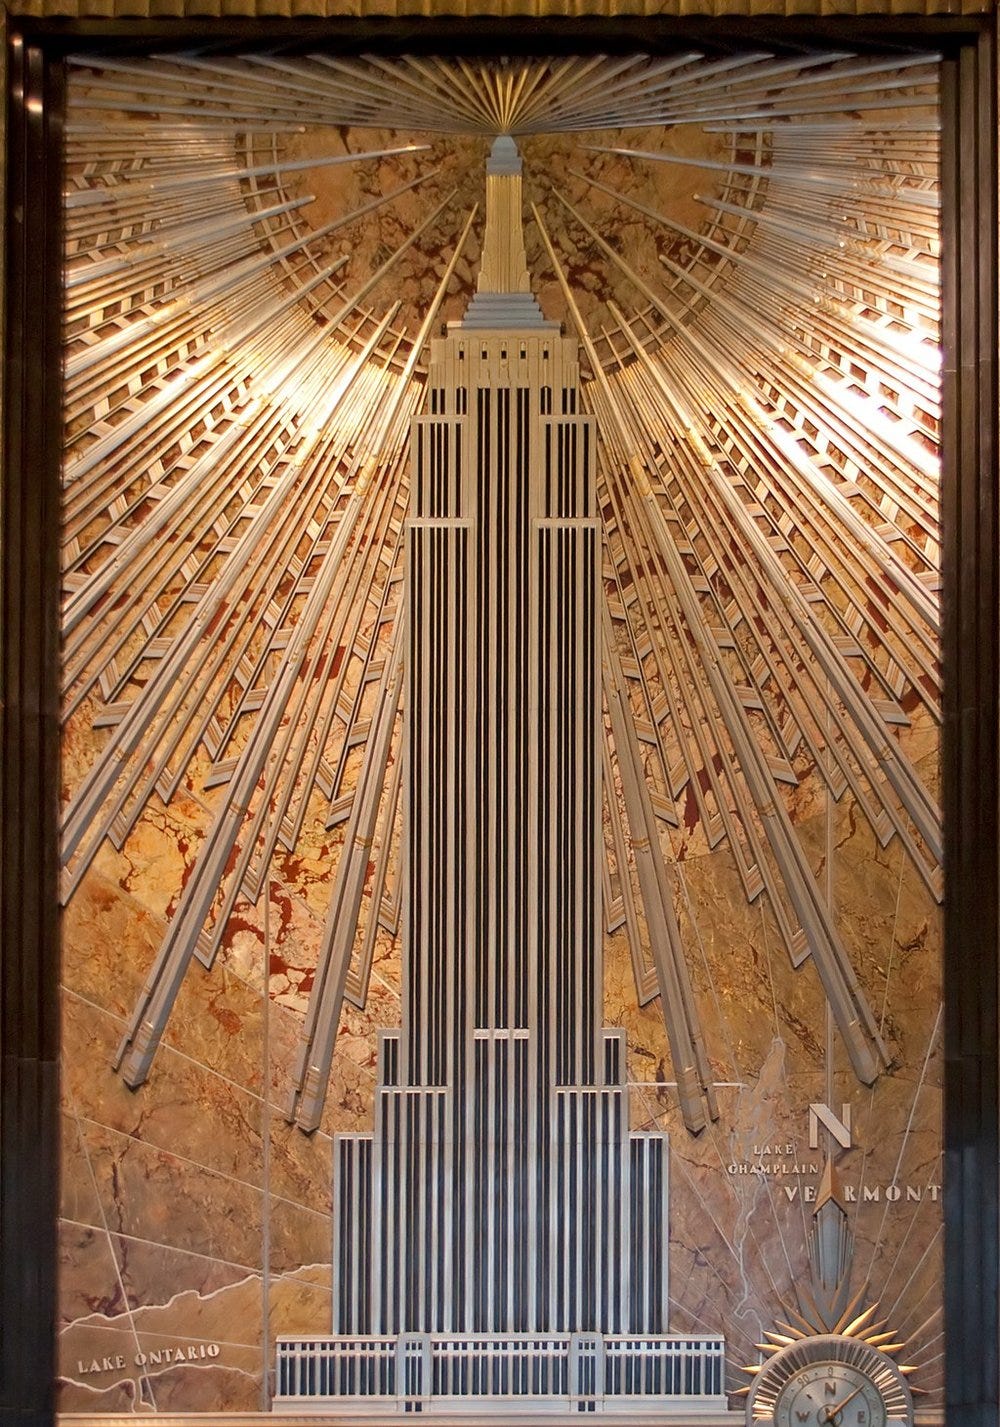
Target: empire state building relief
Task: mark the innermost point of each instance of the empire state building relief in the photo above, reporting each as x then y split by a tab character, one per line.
502	1234
501	859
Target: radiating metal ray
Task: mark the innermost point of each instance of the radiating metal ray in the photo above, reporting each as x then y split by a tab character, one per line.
824	650
854	1018
848	184
573	94
146	189
163	690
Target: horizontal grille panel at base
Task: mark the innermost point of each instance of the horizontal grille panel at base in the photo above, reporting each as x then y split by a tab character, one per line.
557	1373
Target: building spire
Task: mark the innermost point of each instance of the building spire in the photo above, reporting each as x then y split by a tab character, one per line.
503	293
504	267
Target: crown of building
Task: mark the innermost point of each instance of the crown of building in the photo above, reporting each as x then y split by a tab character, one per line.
503	293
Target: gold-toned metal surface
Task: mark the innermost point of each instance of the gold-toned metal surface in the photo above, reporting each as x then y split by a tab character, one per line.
515	10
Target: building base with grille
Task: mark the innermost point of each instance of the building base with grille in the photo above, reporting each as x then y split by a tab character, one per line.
520	1375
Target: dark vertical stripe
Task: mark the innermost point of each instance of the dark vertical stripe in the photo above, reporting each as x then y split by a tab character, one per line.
29	772
971	715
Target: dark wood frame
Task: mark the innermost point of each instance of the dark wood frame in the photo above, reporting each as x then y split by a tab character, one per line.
972	714
29	758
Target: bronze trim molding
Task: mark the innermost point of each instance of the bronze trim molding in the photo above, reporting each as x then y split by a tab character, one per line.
969	746
512	11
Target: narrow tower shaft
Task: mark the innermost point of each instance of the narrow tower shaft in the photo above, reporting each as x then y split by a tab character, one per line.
501	1192
504	267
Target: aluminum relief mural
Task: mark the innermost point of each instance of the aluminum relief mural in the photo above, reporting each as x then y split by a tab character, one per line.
501	852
